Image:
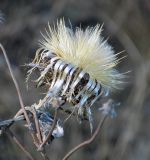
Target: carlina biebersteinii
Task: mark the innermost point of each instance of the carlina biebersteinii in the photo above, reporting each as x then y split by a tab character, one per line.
77	67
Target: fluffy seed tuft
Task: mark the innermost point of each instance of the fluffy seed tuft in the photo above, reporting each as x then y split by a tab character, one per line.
85	49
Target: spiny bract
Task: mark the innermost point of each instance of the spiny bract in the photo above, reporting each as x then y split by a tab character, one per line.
85	49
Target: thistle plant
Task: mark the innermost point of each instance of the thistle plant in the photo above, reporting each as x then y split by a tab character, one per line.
76	68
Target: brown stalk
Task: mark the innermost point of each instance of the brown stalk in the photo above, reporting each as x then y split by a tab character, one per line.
37	126
7	123
18	92
15	83
85	143
12	135
42	152
44	155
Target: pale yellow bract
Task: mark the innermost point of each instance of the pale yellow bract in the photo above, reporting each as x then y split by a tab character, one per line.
85	49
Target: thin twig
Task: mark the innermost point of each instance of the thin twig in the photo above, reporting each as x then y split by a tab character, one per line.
85	143
44	155
34	137
37	126
33	134
16	84
51	131
12	135
42	152
7	123
11	121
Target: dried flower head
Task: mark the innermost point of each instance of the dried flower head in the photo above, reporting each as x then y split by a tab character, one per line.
77	67
86	50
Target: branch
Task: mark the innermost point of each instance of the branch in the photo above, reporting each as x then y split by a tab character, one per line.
4	126
44	155
12	135
42	152
16	85
85	143
11	121
34	137
37	126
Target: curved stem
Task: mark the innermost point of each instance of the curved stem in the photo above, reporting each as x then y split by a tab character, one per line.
16	84
12	135
83	144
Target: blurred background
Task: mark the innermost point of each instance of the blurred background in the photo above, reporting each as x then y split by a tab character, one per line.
127	27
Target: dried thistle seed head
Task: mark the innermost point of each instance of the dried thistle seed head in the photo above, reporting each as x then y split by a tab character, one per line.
77	67
86	50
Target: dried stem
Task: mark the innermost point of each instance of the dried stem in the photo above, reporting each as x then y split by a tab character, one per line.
16	85
85	143
37	126
12	135
11	121
44	155
19	94
7	123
